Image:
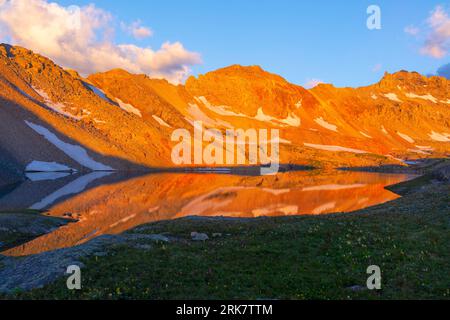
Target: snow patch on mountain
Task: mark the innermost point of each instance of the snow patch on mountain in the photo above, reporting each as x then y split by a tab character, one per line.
406	137
365	135
427	148
196	114
128	108
161	121
324	207
124	220
334	148
276	208
419	151
424	97
392	97
291	120
220	110
321	122
56	107
441	137
75	152
276	192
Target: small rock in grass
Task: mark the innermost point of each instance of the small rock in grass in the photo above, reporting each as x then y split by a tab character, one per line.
357	288
100	254
143	247
199	236
159	238
216	235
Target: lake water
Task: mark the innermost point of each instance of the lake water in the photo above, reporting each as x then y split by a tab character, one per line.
111	203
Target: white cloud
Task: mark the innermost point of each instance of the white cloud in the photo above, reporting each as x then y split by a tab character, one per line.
82	39
311	83
137	30
437	43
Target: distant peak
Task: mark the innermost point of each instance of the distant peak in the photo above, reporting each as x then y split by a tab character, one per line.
118	71
241	68
402	77
113	73
250	73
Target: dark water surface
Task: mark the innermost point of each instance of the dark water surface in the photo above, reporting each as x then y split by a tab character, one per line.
111	203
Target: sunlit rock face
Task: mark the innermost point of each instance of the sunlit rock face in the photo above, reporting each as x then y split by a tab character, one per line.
114	207
125	121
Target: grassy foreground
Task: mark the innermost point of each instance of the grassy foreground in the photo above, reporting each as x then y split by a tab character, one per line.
310	257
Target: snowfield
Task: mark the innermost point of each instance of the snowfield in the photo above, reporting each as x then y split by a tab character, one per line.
365	135
428	97
221	110
196	114
324	207
291	120
406	137
161	121
441	137
75	152
282	208
334	148
128	108
392	97
57	107
321	122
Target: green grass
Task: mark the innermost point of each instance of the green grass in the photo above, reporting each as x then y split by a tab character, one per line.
310	257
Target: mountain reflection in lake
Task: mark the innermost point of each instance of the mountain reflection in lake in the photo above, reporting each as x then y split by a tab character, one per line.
107	203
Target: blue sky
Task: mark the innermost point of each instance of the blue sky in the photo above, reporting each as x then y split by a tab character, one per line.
299	40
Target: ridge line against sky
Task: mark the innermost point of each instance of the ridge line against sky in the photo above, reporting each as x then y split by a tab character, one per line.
304	42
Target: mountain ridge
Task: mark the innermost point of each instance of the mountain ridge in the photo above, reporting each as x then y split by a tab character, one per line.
125	120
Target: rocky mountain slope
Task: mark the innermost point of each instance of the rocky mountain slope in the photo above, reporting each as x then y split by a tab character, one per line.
54	119
52	115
